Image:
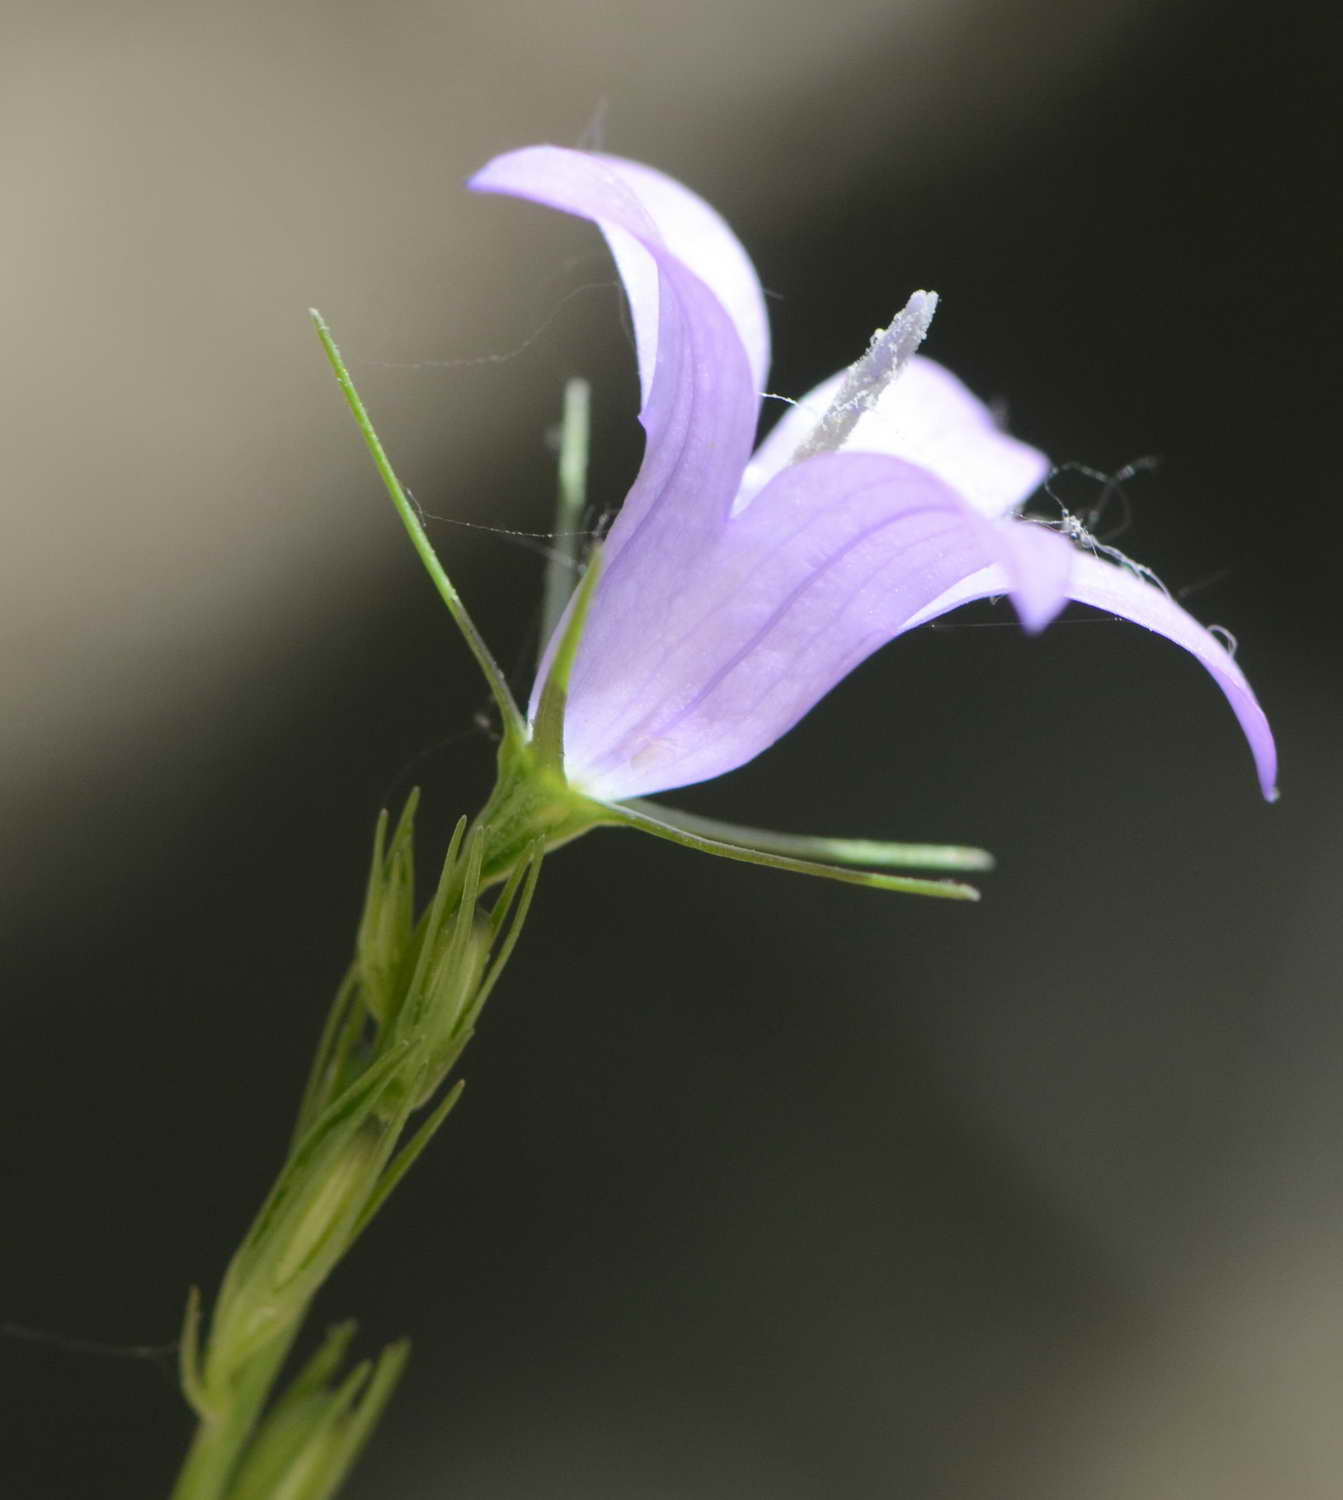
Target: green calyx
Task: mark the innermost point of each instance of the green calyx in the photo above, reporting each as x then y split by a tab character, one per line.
531	808
534	808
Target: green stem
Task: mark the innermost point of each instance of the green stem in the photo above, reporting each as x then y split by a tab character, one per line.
221	1437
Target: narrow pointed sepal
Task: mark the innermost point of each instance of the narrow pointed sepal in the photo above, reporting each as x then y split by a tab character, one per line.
514	726
563	563
312	1436
878	853
548	727
623	815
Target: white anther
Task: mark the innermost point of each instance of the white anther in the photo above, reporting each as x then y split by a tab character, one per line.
866	381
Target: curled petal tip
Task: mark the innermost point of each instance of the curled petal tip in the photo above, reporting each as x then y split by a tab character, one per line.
1121	592
1039	564
740	590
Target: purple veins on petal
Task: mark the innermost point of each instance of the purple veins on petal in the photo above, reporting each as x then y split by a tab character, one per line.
701	400
739	589
826	565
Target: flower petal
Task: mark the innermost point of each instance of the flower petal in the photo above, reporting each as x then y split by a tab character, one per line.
699	237
1118	591
830	562
700	395
928	417
1121	592
694	232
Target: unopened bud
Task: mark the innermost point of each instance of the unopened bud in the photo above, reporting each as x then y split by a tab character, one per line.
327	1207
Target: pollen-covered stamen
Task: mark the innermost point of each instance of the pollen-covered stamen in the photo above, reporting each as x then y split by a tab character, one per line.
889	352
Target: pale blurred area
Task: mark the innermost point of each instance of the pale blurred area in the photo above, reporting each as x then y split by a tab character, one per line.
183	181
796	1297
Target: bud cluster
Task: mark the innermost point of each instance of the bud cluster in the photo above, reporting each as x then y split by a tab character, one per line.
396	1029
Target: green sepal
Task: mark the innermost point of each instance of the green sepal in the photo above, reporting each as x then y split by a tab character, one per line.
873	852
521	888
355	1431
189	1369
562	564
321	1368
340	1036
949	890
514	725
402	1162
289	1248
531	806
388	923
314	1432
390	886
455	900
548	731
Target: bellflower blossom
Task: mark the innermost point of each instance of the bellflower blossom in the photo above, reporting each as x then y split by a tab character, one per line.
739	584
733	591
739	587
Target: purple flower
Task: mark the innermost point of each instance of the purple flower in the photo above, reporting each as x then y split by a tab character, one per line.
738	587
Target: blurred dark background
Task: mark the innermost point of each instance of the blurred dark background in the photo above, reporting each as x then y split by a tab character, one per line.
760	1186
